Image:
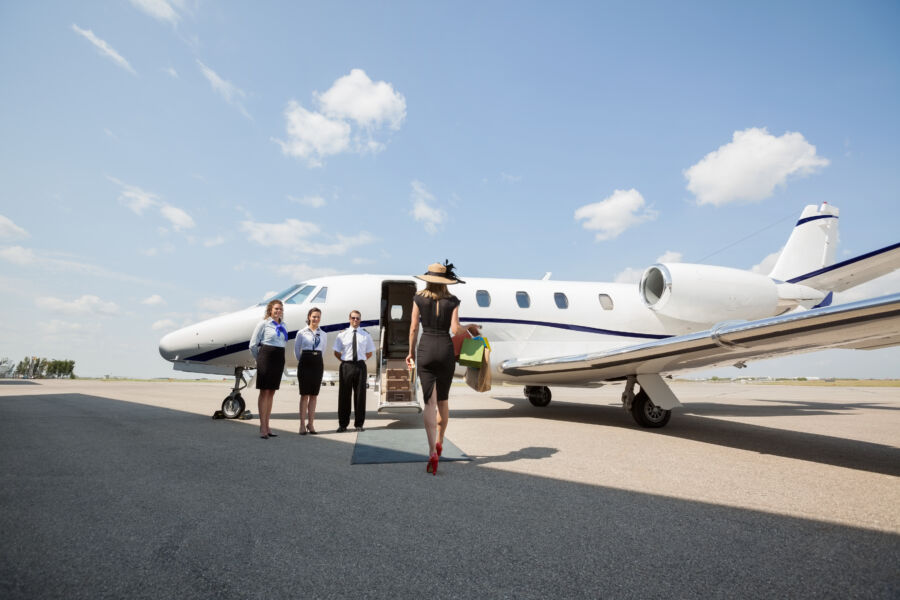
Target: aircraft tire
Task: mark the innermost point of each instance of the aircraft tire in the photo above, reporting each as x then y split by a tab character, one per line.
233	406
648	414
539	396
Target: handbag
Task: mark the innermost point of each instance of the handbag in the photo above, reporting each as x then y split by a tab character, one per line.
480	379
458	340
471	353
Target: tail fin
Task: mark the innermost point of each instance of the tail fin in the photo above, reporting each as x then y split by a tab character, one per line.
812	244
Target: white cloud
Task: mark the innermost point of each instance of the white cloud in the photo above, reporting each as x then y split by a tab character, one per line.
179	219
353	99
18	255
154	300
670	256
301	236
765	266
163	324
86	305
751	166
632	275
171	72
158	9
139	200
423	210
370	104
230	92
218	306
104	48
310	201
26	256
313	136
629	275
216	241
886	284
303	272
9	230
507	178
613	215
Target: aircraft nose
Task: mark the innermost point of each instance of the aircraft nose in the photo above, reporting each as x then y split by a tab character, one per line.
169	347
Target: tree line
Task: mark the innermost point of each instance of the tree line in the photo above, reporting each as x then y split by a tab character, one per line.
32	367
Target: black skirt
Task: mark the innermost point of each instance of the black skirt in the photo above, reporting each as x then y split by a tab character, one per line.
310	372
270	366
436	364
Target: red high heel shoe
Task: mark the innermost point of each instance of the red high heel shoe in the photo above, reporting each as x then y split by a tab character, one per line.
432	464
439	448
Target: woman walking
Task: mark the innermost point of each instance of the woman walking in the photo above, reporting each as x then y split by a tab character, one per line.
438	311
311	341
267	346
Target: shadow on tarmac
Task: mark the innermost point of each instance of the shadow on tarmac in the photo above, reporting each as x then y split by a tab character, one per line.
115	499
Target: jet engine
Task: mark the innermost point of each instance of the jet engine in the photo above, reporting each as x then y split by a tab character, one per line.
708	294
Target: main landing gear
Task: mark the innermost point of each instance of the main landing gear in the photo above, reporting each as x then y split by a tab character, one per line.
538	395
233	406
642	409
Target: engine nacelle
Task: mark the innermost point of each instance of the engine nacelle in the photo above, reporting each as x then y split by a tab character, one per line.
708	294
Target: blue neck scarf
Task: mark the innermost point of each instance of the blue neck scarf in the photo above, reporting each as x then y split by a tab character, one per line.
280	330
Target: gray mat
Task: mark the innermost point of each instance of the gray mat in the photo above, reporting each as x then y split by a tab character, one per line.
374	446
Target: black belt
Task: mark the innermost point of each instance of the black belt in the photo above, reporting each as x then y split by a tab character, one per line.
312	352
434	331
352	362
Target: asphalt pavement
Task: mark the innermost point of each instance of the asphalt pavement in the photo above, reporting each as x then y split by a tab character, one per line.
131	490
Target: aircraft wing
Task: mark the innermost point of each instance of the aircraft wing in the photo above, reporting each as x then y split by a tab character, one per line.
866	324
854	271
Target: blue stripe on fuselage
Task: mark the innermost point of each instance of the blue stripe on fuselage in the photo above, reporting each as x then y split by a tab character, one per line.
241	346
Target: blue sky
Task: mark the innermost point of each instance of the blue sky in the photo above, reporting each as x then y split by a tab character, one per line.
148	148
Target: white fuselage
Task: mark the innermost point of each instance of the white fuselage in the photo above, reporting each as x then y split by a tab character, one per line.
546	324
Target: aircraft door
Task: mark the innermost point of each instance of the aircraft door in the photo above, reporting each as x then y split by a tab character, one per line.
397	385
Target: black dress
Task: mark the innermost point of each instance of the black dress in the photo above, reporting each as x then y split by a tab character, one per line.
435	360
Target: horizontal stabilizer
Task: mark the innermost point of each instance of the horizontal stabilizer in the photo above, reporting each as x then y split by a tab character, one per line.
853	271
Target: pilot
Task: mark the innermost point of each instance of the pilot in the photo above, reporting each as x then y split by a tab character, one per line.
352	347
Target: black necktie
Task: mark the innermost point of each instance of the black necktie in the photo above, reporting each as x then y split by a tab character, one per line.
355	357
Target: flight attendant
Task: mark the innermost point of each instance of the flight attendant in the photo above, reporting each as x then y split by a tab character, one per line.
311	342
438	311
352	347
267	346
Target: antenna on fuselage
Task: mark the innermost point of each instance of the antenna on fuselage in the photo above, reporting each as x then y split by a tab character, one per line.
546	276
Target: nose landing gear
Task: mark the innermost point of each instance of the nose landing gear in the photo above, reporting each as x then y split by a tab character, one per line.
233	406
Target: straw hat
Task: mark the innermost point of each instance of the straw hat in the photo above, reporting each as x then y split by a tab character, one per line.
440	273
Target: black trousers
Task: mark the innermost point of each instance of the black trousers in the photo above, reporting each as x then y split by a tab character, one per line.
352	381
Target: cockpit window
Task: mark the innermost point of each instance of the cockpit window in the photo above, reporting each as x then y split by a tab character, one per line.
300	296
320	297
282	295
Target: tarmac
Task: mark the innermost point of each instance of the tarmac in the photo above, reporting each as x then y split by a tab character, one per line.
113	489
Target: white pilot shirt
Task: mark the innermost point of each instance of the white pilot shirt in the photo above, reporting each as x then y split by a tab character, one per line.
343	343
306	340
268	333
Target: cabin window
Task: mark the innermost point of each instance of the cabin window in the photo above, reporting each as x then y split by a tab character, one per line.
320	297
606	302
483	298
523	300
396	312
561	300
300	296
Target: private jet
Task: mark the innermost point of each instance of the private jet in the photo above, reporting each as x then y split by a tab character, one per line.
544	333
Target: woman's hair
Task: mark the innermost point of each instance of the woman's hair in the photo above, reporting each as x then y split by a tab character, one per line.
311	311
271	305
435	291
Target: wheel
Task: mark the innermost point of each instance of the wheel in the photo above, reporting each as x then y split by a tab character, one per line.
538	395
233	406
648	414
